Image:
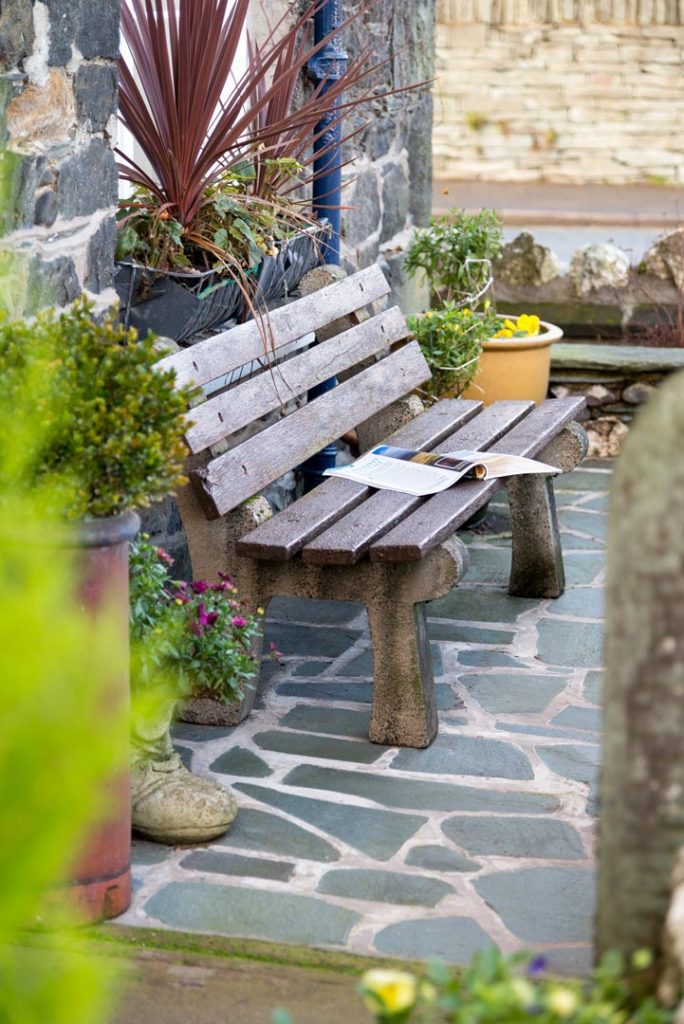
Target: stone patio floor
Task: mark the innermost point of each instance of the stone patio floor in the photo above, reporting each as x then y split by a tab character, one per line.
485	837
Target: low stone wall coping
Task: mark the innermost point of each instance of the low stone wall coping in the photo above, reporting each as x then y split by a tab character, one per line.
628	358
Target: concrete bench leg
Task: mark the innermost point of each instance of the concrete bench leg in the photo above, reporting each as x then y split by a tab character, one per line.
537	562
404	711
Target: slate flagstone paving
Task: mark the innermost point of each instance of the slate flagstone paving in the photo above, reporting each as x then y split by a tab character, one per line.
485	837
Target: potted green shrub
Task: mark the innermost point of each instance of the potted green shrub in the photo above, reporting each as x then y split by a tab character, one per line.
500	358
111	443
220	219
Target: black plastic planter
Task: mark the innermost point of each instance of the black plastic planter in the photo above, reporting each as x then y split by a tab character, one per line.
180	305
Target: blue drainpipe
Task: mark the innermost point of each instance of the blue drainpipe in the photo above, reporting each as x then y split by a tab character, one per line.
328	65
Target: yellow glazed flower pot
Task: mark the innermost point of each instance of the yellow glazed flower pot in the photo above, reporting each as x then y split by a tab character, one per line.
515	368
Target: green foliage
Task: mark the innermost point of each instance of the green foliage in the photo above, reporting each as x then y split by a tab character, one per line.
54	752
113	424
451	340
496	989
195	636
232	229
456	252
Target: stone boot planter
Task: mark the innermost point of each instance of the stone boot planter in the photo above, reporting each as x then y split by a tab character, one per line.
515	368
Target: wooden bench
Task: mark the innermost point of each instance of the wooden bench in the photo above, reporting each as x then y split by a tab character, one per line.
342	541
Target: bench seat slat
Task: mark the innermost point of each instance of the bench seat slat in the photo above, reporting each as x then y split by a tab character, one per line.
214	357
283	536
440	515
349	538
232	478
236	408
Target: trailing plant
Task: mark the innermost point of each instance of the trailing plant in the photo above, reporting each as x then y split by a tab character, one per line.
115	423
195	635
451	340
456	252
495	989
228	151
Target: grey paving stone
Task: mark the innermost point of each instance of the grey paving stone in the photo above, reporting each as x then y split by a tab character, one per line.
513	694
582	602
468	634
198	733
573	760
543	904
593	686
582	568
375	832
600	503
593	523
489	565
542	838
311	668
251	913
269	833
323	641
308	745
583	480
453	939
361	693
384	887
544	730
221	863
571	542
488	659
480	604
579	718
362	664
440	858
301	609
144	853
574	961
185	755
335	721
575	644
239	761
397	791
466	755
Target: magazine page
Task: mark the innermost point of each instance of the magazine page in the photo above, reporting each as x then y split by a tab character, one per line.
400	469
495	465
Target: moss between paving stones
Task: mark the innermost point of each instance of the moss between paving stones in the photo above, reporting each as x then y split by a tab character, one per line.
416	794
541	838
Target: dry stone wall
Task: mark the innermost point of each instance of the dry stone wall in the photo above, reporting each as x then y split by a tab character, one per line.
563	91
58	98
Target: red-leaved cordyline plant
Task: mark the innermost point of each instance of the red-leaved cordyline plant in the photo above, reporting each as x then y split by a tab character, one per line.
183	55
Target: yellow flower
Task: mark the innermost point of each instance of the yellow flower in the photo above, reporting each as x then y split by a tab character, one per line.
260	611
179	600
391	992
510	326
642	959
523	990
562	1001
528	324
428	992
504	333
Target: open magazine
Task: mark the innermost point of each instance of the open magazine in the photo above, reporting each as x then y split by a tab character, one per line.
419	473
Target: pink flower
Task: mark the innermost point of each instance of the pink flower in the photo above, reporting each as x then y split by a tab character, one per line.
199	586
206	618
164	556
239	622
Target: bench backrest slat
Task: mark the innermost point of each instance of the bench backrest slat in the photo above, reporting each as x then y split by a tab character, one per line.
266	391
232	478
215	357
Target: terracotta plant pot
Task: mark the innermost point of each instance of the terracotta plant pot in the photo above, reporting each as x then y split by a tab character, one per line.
99	886
515	368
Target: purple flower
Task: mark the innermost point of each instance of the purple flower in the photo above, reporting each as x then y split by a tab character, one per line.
536	966
199	586
239	622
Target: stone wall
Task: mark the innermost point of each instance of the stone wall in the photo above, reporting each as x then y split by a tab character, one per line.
389	179
560	91
58	97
